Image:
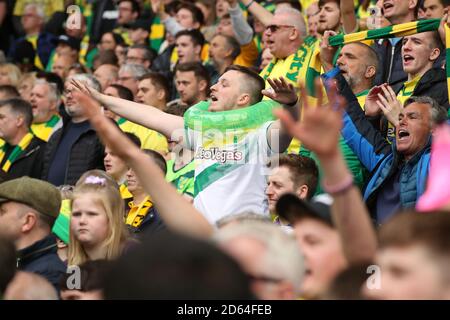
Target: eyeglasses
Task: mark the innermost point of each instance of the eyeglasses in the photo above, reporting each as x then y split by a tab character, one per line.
274	27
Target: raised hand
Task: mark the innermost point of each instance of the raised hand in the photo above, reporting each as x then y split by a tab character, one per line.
327	52
84	88
281	91
389	104
371	108
319	130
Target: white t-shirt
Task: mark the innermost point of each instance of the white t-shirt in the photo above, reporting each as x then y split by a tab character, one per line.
230	178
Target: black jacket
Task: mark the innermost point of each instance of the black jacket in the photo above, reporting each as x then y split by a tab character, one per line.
29	163
391	64
42	258
87	153
433	84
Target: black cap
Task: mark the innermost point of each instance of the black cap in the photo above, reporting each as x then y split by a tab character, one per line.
72	42
141	24
292	208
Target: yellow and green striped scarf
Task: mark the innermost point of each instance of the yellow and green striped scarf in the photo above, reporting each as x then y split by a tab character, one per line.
17	151
44	130
399	30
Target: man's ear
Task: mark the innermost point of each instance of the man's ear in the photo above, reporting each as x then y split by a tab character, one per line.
29	221
370	72
302	191
202	85
435	54
412	4
243	100
160	94
294	34
20	120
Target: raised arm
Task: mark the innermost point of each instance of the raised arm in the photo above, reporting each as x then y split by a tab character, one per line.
241	28
319	132
349	23
258	11
169	125
176	212
285	94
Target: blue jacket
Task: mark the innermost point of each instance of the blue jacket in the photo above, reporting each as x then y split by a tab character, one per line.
381	158
42	258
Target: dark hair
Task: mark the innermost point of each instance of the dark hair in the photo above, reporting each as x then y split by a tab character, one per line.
231	43
303	170
254	83
7	263
158	158
430	230
91	275
197	14
158	269
199	70
123	92
196	36
134	5
134	138
9	91
20	106
149	53
177	109
107	57
159	81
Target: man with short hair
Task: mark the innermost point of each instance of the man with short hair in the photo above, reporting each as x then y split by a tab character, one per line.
435	9
192	82
33	20
129	11
45	100
389	50
291	173
22	153
413	257
129	75
106	75
237	91
329	16
75	148
28	210
140	54
153	90
357	62
223	50
140	32
189	44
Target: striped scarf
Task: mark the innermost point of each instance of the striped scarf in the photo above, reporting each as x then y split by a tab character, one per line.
44	130
400	30
17	151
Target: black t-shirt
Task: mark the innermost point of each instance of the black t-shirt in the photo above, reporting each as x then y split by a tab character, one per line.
388	200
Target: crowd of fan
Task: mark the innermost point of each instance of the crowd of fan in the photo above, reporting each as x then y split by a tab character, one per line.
222	149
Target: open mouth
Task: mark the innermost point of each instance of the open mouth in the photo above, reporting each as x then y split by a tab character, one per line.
213	97
388	6
407	58
403	134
